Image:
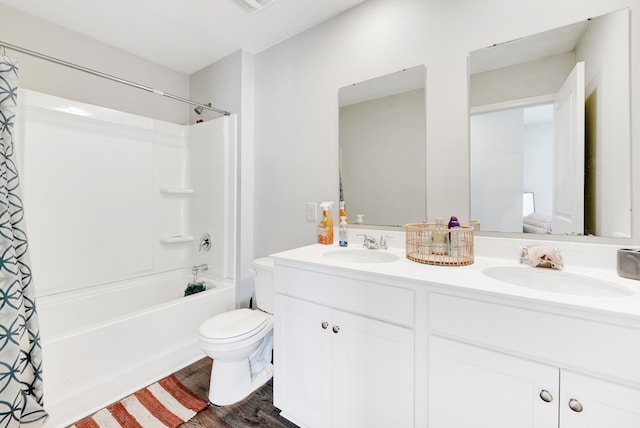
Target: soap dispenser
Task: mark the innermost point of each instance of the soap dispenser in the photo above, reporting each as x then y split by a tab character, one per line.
343	213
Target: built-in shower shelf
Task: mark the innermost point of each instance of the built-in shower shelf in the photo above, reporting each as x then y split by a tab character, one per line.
175	239
176	190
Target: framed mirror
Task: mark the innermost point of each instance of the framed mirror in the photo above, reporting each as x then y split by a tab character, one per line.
383	148
550	130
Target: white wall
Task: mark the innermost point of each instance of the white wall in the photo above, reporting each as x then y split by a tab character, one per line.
27	31
296	96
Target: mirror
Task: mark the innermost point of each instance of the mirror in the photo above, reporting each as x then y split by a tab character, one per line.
383	148
550	140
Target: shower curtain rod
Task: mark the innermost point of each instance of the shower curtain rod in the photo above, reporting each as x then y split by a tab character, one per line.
108	76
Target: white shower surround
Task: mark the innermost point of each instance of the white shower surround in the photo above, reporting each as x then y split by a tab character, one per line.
92	180
104	191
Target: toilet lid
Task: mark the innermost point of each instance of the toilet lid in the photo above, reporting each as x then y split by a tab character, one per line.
233	324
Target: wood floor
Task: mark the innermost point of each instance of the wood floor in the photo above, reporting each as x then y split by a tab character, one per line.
255	411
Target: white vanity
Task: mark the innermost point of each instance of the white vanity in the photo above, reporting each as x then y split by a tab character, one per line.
385	342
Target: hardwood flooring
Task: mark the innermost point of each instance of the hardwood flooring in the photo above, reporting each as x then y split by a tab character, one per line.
257	410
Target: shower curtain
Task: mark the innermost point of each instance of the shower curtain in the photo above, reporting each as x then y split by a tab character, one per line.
21	401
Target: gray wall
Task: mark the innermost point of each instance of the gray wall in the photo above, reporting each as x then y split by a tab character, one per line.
27	31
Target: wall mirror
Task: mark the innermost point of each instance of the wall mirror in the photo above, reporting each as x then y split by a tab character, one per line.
383	148
550	127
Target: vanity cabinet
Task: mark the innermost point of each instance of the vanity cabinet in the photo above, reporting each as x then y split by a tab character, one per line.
339	362
476	380
475	387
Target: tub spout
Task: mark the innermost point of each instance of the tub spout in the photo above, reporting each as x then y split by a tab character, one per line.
196	269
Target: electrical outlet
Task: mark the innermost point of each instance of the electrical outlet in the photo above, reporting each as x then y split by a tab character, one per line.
312	211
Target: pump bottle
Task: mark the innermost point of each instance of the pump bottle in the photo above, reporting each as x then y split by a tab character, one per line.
343	213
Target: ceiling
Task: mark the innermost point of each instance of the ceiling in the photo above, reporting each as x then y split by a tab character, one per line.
553	42
184	35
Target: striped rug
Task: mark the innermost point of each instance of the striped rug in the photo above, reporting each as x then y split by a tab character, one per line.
166	403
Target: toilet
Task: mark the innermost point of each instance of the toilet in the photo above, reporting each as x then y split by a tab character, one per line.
240	343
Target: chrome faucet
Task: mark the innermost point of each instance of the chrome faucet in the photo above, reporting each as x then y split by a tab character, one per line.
196	269
369	242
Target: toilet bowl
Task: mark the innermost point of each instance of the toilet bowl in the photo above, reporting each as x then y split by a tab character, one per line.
240	343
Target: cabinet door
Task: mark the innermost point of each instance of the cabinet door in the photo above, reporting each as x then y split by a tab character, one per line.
373	369
471	387
301	358
601	404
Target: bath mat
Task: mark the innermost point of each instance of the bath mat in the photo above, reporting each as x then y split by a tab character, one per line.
166	403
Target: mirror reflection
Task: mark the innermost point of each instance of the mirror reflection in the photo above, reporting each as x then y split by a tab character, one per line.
550	131
383	148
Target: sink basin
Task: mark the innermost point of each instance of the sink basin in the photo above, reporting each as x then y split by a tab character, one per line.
556	282
361	256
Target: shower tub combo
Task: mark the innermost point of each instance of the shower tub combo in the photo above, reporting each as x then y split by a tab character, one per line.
109	341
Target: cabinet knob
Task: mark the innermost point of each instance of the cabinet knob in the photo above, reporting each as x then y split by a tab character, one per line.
575	405
325	325
336	328
546	396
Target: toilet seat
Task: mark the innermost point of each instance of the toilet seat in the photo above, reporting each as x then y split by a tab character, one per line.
233	326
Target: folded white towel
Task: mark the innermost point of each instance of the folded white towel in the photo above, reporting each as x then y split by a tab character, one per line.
545	257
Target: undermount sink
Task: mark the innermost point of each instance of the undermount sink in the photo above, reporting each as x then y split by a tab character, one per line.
361	256
556	282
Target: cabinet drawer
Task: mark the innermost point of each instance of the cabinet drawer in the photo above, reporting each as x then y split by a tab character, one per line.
570	342
371	299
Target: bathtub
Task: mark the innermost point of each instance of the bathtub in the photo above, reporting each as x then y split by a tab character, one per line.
105	342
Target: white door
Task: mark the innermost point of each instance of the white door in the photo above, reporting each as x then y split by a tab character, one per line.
471	387
592	403
373	376
568	172
301	361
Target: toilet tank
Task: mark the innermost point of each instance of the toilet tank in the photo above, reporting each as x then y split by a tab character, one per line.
264	283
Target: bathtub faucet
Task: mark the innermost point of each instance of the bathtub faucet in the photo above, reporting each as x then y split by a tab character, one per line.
196	269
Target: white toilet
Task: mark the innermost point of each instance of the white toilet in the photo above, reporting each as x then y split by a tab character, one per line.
240	343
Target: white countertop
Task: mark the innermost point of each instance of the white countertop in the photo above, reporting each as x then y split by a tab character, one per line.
471	278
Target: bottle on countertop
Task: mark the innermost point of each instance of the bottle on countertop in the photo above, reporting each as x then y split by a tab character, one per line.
439	243
343	232
343	213
325	228
454	238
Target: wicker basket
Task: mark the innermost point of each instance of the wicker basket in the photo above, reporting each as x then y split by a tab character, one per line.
427	243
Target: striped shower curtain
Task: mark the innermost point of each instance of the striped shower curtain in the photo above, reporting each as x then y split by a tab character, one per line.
20	353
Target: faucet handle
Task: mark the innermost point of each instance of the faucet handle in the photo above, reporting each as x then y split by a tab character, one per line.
383	241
